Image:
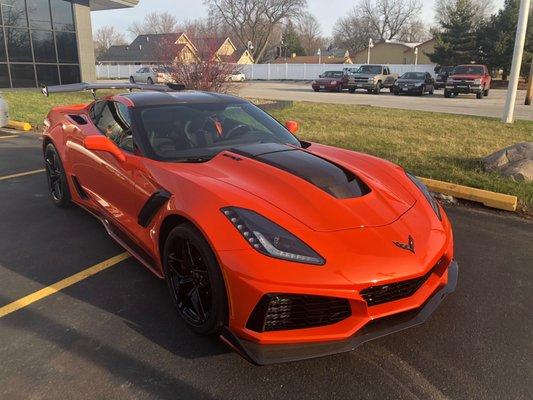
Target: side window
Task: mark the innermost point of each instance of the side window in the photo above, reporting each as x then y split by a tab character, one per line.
113	120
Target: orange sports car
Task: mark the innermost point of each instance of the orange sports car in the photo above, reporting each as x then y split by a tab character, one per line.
285	248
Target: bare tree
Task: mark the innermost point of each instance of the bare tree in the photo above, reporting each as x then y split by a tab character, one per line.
154	22
353	31
414	32
389	17
254	20
105	37
309	32
482	9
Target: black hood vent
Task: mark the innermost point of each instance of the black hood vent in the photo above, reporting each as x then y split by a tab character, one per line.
324	174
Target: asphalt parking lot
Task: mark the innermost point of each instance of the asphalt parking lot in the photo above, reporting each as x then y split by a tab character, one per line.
491	106
115	334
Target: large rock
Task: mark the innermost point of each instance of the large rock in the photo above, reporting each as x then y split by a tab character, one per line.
515	162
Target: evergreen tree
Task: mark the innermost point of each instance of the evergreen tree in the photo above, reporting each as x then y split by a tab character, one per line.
456	38
291	42
496	39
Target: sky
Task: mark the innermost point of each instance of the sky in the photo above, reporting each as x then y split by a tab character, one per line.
327	11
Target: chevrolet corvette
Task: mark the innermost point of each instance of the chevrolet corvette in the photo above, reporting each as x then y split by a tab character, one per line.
285	248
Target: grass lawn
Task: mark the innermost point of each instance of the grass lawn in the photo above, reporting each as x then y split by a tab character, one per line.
446	147
440	146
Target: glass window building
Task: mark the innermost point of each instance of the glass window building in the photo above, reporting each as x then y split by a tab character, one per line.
48	41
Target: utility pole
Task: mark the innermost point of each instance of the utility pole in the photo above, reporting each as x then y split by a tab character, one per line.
319	53
529	93
508	112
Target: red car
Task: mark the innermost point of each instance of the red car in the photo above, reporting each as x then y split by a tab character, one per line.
467	79
287	249
333	81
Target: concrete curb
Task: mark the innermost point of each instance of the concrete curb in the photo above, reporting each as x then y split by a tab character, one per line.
21	126
490	199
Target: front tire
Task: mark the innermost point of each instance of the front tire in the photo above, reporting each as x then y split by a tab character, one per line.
447	94
132	79
150	81
486	92
377	89
351	90
195	280
56	177
479	95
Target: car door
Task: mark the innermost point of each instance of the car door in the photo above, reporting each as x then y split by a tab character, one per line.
107	181
389	80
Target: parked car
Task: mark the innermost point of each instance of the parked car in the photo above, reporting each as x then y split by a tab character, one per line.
414	83
236	77
468	78
151	75
442	76
330	80
4	112
285	248
372	78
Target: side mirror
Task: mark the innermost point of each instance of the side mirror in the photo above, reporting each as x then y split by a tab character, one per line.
320	76
292	126
103	143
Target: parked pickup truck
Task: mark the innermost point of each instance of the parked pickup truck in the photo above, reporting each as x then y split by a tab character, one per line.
468	78
372	78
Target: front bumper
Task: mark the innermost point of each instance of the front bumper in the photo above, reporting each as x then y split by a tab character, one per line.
408	89
328	86
362	85
264	354
464	89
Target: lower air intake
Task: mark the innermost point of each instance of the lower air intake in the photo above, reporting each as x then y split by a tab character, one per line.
276	312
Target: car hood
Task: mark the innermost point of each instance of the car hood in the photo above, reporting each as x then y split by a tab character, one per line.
409	81
324	193
363	75
465	77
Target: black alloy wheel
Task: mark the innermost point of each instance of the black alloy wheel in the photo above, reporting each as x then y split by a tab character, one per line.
150	81
56	177
194	280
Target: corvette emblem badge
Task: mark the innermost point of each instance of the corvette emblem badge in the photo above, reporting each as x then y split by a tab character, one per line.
410	245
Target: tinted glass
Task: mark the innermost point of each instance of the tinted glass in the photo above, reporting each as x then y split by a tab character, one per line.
182	132
62	15
22	75
39	14
333	74
69	74
2	46
14	13
18	44
414	75
67	48
47	75
468	70
369	69
43	46
4	77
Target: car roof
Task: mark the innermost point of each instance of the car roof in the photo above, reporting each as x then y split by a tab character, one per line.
148	98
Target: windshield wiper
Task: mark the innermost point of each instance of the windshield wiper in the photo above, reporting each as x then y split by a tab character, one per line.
194	159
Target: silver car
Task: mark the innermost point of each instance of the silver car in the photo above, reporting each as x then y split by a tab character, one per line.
151	75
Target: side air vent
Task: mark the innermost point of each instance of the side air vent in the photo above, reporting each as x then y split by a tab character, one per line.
78	119
79	189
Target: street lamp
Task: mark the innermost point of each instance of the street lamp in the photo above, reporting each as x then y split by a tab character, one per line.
319	54
370	45
416	55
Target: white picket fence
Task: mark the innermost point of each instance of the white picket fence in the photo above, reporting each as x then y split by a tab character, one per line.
269	71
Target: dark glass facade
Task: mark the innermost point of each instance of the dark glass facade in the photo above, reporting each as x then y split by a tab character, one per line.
38	43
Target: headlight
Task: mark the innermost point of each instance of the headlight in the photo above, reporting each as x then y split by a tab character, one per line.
419	84
269	238
425	191
477	81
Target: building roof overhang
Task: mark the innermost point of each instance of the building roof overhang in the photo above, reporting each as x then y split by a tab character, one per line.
98	5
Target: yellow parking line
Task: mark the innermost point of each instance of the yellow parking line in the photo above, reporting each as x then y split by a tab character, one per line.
9	137
37	171
56	287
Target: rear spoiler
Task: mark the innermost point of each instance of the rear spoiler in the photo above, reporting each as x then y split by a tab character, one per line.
93	87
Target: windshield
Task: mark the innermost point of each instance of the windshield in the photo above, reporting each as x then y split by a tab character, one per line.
369	69
468	70
198	132
414	75
332	74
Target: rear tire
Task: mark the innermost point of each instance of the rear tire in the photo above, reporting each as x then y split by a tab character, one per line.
486	92
479	95
195	281
150	81
447	94
351	90
316	90
56	177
